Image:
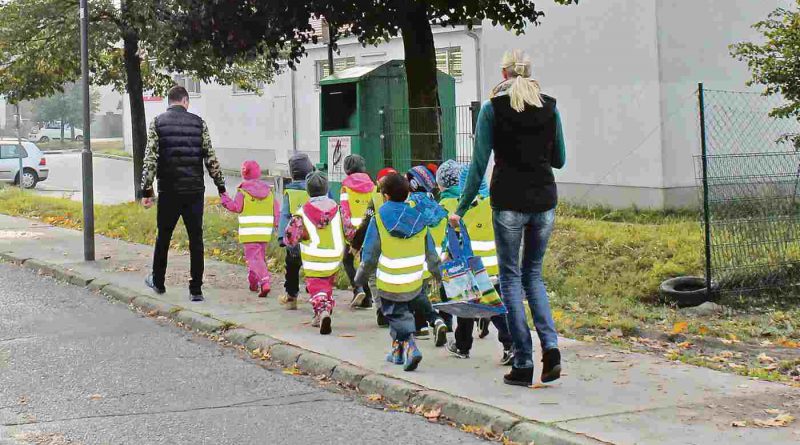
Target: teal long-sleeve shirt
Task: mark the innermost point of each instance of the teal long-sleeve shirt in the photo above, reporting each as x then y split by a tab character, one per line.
484	139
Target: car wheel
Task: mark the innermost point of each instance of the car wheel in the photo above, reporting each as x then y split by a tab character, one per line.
687	291
43	140
78	138
29	179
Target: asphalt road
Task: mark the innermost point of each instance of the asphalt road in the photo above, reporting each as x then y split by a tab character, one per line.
113	179
76	369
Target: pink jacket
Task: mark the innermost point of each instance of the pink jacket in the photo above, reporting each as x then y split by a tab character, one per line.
320	210
357	182
257	189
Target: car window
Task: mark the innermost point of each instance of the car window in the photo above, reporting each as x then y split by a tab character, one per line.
10	151
52	126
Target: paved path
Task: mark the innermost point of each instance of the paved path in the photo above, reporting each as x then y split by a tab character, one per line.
606	394
113	179
75	368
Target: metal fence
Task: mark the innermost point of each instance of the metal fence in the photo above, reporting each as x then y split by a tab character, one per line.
750	175
413	136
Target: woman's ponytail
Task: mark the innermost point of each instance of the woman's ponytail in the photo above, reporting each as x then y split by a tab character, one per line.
523	90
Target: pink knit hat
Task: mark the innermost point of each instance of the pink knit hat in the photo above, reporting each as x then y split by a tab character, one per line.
251	170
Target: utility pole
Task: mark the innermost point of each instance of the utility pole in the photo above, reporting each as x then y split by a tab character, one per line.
331	70
86	154
19	144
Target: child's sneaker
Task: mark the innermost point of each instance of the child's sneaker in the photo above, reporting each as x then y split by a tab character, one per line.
483	326
508	357
439	333
264	291
455	352
315	321
396	356
358	298
423	333
412	355
325	323
289	301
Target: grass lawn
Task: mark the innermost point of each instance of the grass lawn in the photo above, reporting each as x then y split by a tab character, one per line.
114	147
603	270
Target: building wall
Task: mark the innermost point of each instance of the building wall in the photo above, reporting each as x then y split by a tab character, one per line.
251	126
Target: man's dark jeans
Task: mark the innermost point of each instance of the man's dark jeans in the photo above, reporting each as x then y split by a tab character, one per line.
170	208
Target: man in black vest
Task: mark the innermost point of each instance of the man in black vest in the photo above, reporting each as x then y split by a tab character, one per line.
178	144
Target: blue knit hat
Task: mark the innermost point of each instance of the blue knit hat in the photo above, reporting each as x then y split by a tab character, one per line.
448	174
421	179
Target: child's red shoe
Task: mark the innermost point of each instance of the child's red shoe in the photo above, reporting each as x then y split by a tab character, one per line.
264	291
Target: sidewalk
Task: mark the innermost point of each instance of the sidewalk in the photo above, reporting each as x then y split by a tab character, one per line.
606	396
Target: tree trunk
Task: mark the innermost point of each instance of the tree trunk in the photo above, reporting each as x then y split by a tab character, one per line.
62	131
133	74
423	87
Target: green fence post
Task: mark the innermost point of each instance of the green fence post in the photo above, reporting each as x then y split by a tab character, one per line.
706	214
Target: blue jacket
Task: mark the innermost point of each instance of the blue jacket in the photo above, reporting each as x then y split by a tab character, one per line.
432	213
402	221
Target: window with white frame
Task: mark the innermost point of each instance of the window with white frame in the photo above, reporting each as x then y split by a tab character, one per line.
236	90
448	60
340	64
191	84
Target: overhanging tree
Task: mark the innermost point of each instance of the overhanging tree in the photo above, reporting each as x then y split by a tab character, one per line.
775	62
130	49
65	107
243	29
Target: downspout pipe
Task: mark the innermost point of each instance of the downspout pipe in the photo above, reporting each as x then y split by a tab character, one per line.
478	65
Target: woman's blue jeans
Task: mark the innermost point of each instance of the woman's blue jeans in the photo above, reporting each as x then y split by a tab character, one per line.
531	232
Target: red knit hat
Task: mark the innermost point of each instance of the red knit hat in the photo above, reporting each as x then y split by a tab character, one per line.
433	168
251	170
386	172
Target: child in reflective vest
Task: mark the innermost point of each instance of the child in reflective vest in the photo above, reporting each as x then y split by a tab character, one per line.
397	248
317	228
256	205
357	190
294	196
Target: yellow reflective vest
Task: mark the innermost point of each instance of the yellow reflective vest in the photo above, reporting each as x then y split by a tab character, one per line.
358	203
257	221
296	199
478	221
402	261
323	251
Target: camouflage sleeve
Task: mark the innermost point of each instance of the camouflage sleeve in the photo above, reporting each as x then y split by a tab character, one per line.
212	164
150	161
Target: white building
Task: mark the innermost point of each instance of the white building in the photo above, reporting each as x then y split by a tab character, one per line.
624	72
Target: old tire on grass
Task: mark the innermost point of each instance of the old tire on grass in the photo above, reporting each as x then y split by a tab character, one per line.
687	291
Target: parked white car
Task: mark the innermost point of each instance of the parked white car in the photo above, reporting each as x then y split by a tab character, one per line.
34	164
52	131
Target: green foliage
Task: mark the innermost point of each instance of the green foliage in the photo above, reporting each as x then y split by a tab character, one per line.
65	106
39	49
775	62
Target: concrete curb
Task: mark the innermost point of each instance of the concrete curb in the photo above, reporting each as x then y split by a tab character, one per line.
108	156
459	410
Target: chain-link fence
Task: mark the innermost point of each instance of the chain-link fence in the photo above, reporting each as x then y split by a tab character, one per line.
413	136
750	175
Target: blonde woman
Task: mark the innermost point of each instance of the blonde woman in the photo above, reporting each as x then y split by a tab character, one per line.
523	128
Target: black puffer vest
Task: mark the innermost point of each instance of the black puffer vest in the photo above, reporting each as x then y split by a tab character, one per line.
524	141
180	151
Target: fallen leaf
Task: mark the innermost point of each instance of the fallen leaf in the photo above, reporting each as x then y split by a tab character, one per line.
346	335
781	420
733	338
685	345
216	252
773	412
433	414
680	327
702	330
726	341
374	397
538	386
764	358
95	397
772	367
739	424
292	371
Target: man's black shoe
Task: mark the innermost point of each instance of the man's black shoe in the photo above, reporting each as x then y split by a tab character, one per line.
519	377
551	365
149	282
196	296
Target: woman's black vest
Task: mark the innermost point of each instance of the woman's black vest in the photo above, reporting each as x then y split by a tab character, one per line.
524	144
